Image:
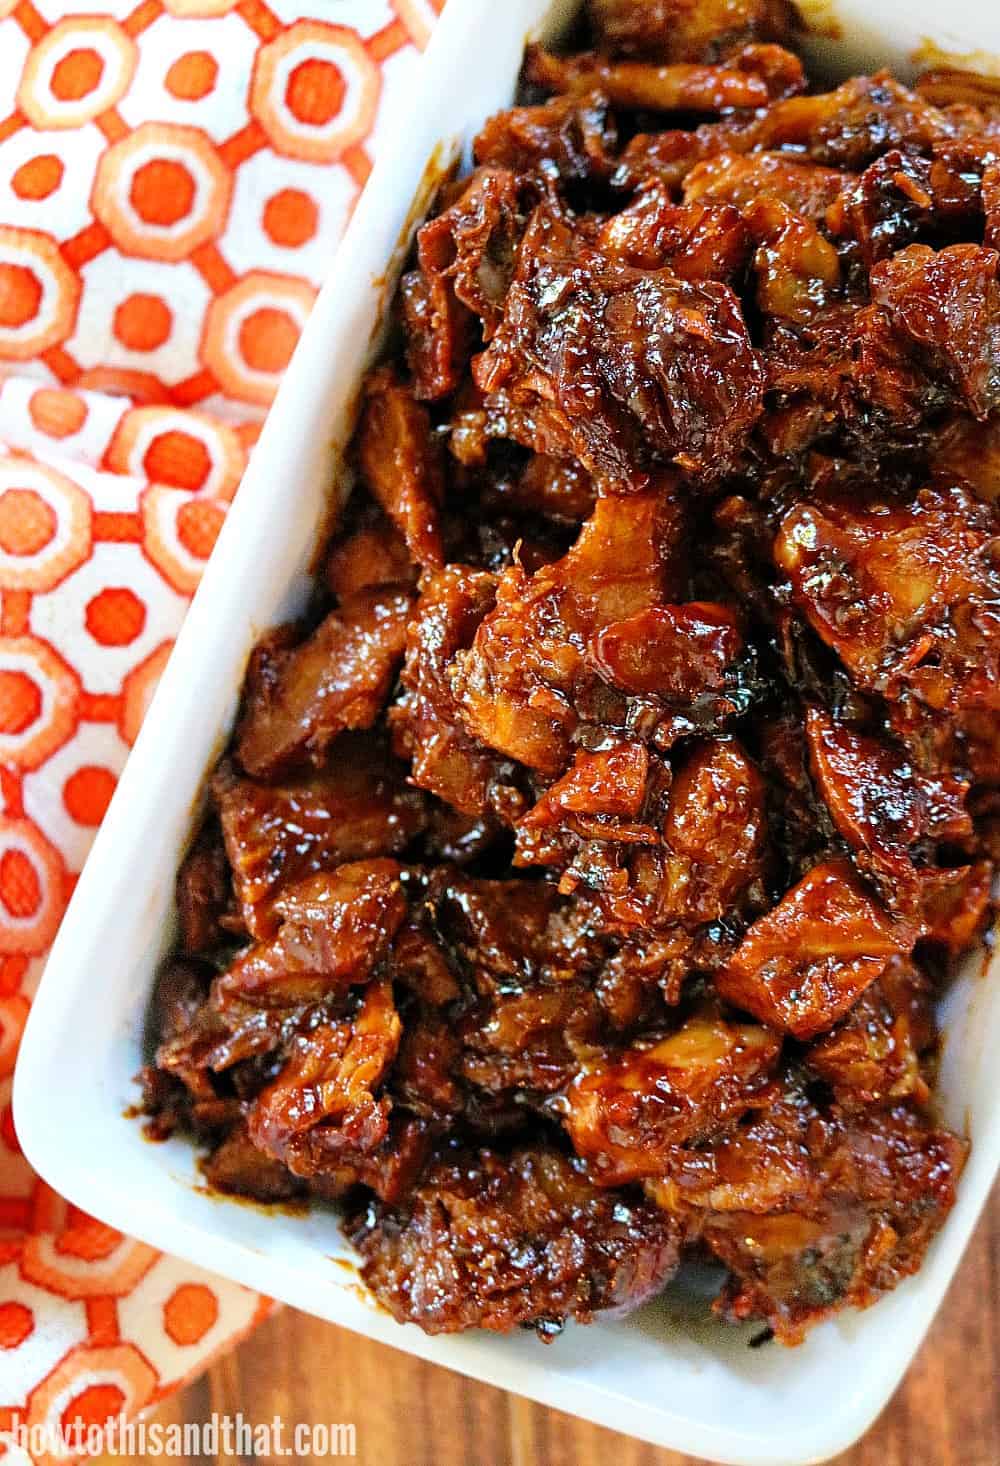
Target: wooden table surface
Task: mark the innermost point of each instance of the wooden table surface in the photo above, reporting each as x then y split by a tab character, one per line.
946	1413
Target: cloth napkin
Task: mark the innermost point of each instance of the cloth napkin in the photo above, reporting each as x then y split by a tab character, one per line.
174	176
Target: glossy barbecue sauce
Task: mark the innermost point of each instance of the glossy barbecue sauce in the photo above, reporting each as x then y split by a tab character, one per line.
578	886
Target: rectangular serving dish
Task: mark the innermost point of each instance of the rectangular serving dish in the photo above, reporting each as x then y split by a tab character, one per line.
668	1374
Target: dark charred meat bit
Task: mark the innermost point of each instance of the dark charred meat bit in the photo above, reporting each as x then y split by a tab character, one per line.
488	1241
205	901
637	366
579	889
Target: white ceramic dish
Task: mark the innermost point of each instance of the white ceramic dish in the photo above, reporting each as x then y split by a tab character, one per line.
666	1374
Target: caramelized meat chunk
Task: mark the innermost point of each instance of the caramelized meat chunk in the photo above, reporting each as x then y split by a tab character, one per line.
372	554
889	814
904	593
800	967
968	452
569	139
797	268
277	834
853	124
180	991
638	366
602	796
527	961
496	1242
437	336
707	863
874	1054
674	652
469	248
887	1186
333	929
323	1106
299	698
555	488
742	179
518	685
238	1168
687	30
697	241
580	887
940	312
715	831
680	87
627	1116
446	758
401	464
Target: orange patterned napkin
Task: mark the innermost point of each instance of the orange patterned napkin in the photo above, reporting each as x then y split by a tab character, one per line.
174	175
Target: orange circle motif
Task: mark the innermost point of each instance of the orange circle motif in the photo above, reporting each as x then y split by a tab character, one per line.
76	75
142	322
46	523
20	701
315	91
20	889
272	306
20	294
27	523
189	1313
192	76
198	527
78	68
87	794
162	192
115	616
39	177
95	1405
17	1323
177	458
267	339
57	413
290	218
39	293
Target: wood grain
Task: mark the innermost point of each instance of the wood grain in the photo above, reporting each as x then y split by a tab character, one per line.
946	1413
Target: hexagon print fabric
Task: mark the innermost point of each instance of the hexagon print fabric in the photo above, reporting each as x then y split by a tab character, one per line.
174	177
